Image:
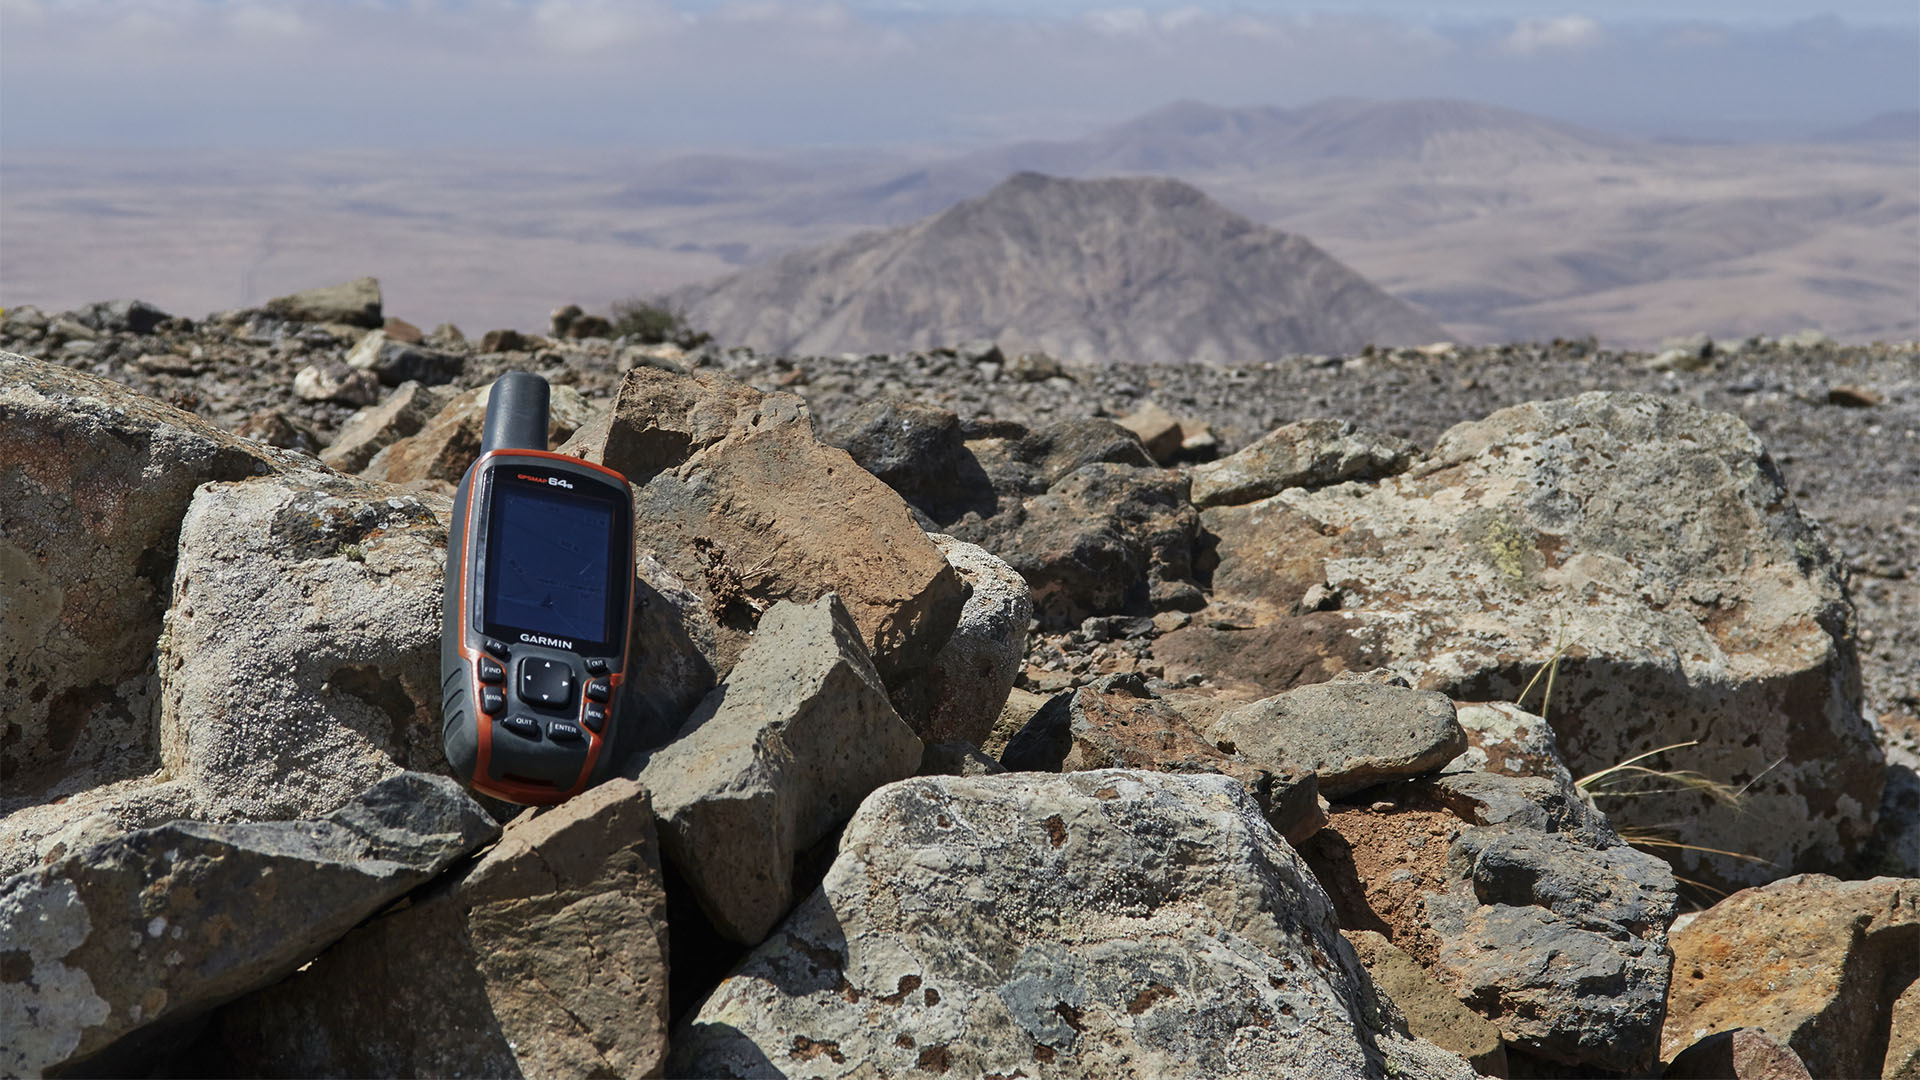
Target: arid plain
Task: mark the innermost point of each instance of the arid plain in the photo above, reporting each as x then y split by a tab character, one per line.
1501	225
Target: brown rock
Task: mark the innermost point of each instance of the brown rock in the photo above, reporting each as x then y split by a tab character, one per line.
547	958
1903	1036
1116	725
444	447
1854	397
1432	1012
356	303
737	499
402	331
1813	961
506	341
370	430
1740	1054
1159	430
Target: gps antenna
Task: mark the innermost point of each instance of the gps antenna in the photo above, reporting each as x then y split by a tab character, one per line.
516	413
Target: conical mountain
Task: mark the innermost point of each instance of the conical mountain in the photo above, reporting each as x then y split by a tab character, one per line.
1107	271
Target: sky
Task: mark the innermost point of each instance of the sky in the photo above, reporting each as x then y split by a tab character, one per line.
742	73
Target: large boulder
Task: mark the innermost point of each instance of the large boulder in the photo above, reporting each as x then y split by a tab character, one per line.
773	761
441	449
94	480
737	499
546	958
1096	924
302	653
353	303
160	925
1521	900
1651	544
963	690
1815	962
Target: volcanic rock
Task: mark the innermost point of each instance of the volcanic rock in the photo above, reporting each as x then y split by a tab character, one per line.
738	500
302	652
1654	540
962	692
1057	939
773	760
162	924
372	429
1815	962
94	480
355	303
546	958
1351	734
1307	453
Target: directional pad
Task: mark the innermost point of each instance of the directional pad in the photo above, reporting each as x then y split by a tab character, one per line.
546	683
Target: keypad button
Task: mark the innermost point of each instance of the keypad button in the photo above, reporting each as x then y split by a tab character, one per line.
598	666
493	700
594	717
563	732
491	671
497	648
546	683
524	726
597	690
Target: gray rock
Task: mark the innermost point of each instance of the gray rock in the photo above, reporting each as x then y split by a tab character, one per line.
38	833
1306	454
396	362
94	480
963	690
372	429
1805	339
332	380
773	760
160	925
355	303
1036	924
958	759
121	316
1508	740
920	452
1104	538
302	652
548	957
1352	734
1654	540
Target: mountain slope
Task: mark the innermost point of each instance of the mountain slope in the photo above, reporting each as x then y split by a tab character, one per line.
1117	271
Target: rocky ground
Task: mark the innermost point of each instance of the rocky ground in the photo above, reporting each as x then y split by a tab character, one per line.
1102	722
1841	422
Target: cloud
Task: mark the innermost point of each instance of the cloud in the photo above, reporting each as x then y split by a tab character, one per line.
1563	32
588	26
716	72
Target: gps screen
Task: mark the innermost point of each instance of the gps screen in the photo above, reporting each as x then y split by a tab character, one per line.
547	563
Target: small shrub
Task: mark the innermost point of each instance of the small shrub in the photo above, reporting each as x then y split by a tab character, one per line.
653	322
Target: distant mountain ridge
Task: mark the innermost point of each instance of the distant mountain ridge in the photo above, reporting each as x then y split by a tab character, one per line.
1117	271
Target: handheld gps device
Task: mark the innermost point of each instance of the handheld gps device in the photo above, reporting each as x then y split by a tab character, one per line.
539	587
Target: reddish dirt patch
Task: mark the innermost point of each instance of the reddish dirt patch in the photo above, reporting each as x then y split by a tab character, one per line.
1377	864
